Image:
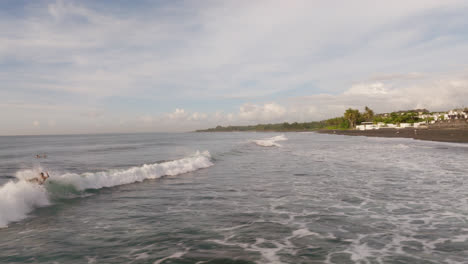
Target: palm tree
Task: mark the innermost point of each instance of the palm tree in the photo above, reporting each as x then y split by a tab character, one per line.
352	115
368	114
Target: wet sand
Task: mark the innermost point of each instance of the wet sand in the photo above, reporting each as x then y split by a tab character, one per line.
459	135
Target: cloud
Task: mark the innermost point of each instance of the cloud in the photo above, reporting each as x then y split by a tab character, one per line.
367	89
145	119
437	92
266	112
94	113
398	76
198	116
178	114
136	63
217	48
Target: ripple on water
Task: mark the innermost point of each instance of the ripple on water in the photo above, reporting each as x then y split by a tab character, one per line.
316	199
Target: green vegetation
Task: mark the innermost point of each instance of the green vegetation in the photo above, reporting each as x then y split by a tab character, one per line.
353	116
336	123
308	126
368	114
396	118
350	119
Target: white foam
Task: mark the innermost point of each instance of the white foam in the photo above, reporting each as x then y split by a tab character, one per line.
135	174
269	255
143	255
304	232
21	197
401	146
270	142
29	173
91	260
18	199
175	255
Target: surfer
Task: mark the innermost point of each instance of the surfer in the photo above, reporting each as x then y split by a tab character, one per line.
41	179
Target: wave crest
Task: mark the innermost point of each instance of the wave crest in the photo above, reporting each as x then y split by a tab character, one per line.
21	197
270	142
136	174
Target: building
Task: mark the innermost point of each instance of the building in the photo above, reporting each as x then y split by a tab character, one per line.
372	126
367	126
456	114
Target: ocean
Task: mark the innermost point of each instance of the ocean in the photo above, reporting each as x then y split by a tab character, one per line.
232	198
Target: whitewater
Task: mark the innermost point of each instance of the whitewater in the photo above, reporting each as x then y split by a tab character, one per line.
270	142
250	198
20	197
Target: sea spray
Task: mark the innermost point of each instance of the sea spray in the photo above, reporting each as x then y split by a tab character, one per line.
21	197
18	199
270	142
29	173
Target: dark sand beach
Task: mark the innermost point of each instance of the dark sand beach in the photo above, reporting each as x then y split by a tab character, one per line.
459	135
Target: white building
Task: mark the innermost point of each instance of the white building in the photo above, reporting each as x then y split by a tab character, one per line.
456	114
367	126
372	126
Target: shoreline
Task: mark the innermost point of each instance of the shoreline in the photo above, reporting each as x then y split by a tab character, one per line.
454	135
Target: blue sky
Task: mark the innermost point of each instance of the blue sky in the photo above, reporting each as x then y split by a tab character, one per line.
140	66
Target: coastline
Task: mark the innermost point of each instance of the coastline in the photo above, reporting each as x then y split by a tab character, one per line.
455	135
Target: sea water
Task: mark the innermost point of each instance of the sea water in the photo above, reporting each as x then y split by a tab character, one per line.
233	198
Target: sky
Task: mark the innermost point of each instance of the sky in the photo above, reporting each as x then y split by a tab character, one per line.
72	67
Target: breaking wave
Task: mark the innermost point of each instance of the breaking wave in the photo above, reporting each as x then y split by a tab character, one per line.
270	142
136	174
21	197
18	199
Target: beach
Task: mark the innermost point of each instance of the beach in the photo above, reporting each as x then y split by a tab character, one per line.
458	135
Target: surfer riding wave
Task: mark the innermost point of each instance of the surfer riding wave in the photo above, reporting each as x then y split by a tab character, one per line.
41	179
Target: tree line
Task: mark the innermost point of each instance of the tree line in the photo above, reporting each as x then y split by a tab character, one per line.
306	126
349	120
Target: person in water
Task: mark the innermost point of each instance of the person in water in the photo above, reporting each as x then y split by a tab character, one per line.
42	178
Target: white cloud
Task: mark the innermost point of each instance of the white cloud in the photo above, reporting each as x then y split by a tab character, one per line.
93	113
398	76
64	56
367	89
198	116
216	47
436	92
178	114
145	119
261	113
